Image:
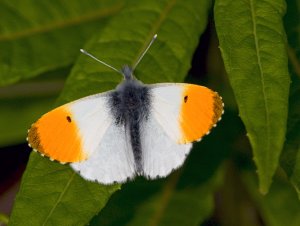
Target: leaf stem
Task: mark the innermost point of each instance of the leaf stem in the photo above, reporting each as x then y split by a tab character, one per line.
294	61
165	197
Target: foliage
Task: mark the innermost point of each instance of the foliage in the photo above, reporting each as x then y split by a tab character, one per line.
253	49
259	43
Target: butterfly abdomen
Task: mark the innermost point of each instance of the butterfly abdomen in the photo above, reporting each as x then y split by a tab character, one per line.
130	106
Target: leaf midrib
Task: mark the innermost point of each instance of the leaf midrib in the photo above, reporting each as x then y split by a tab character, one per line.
44	28
173	181
261	74
155	27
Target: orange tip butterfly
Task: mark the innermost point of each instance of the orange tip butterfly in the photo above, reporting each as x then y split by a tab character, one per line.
136	129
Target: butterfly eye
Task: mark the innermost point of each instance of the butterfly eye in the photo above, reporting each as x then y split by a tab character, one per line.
185	99
69	119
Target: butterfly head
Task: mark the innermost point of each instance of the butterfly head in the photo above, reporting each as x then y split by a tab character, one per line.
127	72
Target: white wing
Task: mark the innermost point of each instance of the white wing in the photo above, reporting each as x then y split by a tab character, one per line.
180	114
71	132
166	105
161	154
186	112
112	161
83	133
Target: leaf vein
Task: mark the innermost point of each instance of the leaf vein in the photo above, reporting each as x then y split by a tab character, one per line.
62	24
156	25
59	198
257	49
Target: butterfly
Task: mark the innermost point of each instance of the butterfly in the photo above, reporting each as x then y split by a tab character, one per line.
136	129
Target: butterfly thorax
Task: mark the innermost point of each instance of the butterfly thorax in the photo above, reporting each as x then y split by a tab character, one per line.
131	95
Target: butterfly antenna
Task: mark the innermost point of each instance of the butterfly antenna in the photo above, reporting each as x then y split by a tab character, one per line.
100	61
141	57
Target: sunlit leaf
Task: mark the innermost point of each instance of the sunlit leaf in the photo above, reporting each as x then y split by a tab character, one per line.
168	59
184	198
55	192
253	46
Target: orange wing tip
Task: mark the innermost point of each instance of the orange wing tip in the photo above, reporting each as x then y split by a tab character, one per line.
53	135
218	107
214	125
35	150
200	112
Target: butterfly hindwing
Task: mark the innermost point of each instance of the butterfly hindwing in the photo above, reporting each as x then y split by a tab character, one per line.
83	133
161	154
112	161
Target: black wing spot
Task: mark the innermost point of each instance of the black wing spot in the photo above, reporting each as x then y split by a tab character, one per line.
185	99
69	119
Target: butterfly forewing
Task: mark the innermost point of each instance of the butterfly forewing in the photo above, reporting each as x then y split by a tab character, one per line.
186	112
71	132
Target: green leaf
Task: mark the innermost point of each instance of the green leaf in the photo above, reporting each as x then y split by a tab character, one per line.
253	47
29	100
192	204
14	128
280	206
37	36
168	59
162	202
290	159
52	193
184	198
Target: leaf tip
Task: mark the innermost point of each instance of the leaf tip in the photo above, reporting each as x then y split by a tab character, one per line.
263	190
264	184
